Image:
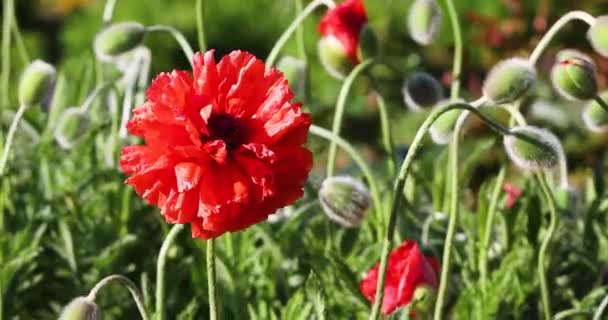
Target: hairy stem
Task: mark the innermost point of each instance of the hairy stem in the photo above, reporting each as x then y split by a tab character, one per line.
458	49
387	139
211	279
179	37
10	137
119	279
160	270
200	25
544	246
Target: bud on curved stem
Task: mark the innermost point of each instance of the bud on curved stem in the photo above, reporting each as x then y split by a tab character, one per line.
424	21
81	308
118	39
345	200
36	83
119	279
333	57
573	76
532	148
509	80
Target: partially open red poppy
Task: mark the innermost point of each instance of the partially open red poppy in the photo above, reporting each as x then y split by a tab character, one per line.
223	145
407	269
344	23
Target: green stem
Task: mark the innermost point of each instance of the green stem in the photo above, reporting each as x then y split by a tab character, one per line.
458	49
160	270
10	137
544	246
600	310
8	8
179	37
108	11
274	53
387	139
300	34
211	279
119	279
601	102
339	111
400	183
571	313
200	26
25	58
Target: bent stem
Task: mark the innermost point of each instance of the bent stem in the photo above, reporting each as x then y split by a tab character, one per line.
200	26
544	246
120	279
274	53
179	37
160	270
339	112
387	139
211	279
108	11
10	137
8	7
600	310
458	49
571	313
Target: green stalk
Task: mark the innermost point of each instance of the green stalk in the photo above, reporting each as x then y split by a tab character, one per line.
601	309
119	279
571	313
25	57
300	34
544	246
108	11
160	271
200	25
387	139
8	8
10	137
458	49
339	112
211	279
178	36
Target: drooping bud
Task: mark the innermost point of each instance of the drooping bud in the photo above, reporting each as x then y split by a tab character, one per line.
595	116
368	43
295	71
598	35
421	90
345	200
424	20
80	308
423	300
533	148
442	129
333	57
36	83
573	76
71	127
509	80
118	38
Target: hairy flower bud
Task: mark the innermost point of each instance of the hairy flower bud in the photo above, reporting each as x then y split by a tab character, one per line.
423	300
598	35
36	83
345	200
424	20
118	38
509	80
295	70
442	129
368	43
595	116
80	308
333	57
71	127
421	90
573	76
533	148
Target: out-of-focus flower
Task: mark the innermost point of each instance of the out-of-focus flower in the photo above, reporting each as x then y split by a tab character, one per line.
424	21
223	146
408	269
345	200
420	90
59	8
512	194
598	35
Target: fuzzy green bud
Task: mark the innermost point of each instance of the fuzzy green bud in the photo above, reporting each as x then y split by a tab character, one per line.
423	300
509	80
424	21
333	57
595	116
533	148
573	76
81	308
421	90
36	83
119	38
295	70
598	35
368	43
71	127
443	127
345	200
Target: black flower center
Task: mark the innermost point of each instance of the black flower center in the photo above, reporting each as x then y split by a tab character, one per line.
227	128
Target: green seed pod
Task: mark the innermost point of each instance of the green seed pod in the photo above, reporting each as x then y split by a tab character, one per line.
533	148
368	43
333	57
295	70
36	83
80	308
423	300
573	76
598	36
509	80
345	200
118	38
421	90
595	116
424	20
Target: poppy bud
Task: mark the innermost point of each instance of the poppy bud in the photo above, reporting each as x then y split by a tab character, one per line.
595	116
80	308
333	57
71	127
36	83
573	76
368	43
424	20
421	90
345	200
294	70
442	128
509	80
118	38
598	35
423	300
532	148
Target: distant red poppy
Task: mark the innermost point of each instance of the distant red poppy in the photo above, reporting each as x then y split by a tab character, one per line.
223	146
407	269
512	193
344	22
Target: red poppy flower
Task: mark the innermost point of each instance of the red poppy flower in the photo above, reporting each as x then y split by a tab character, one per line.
407	269
223	146
513	193
344	23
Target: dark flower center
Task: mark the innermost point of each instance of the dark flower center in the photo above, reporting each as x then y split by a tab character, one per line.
227	128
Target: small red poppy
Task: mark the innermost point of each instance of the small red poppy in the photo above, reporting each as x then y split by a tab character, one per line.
513	193
344	22
407	269
223	145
